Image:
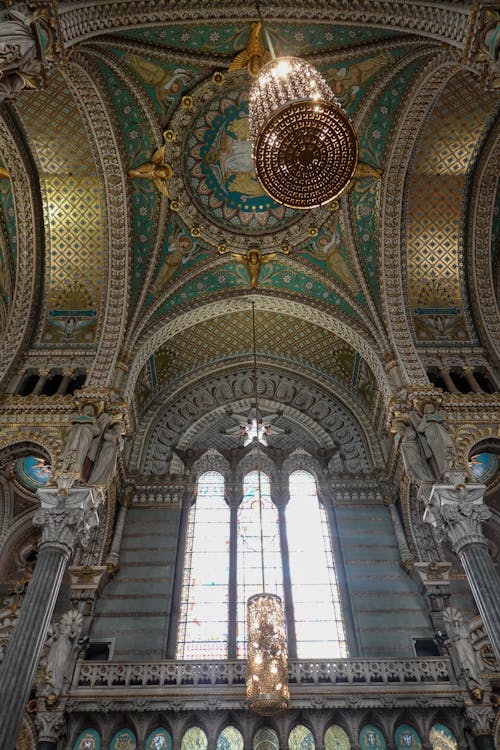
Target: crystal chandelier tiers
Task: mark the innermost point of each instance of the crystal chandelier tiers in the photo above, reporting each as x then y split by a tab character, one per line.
305	147
267	658
267	649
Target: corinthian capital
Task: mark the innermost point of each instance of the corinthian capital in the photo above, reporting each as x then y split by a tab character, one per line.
457	513
480	719
67	520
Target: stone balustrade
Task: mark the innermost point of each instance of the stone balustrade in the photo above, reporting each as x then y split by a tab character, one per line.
109	676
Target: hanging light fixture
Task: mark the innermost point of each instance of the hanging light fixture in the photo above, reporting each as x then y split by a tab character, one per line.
267	653
305	147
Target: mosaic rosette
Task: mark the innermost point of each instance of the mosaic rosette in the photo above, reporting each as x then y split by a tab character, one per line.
215	182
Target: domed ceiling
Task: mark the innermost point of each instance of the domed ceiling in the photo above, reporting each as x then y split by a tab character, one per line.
154	273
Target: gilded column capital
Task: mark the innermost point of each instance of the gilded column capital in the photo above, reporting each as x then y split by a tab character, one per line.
67	519
480	719
50	724
457	513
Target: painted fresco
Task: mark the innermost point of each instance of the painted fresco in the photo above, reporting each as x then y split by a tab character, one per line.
442	738
124	739
371	738
336	738
406	738
88	740
159	739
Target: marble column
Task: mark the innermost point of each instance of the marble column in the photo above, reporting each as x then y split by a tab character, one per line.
114	552
469	376
281	504
480	720
404	550
448	381
65	519
175	607
63	385
457	512
40	385
234	500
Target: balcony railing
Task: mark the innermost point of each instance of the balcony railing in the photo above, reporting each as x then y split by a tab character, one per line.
169	675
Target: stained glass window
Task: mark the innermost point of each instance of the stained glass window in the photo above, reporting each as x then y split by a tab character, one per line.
300	738
159	739
318	617
442	738
249	546
88	740
336	738
230	739
124	739
194	739
371	738
266	739
406	738
204	600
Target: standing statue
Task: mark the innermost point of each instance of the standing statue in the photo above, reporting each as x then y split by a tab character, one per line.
432	426
414	455
459	636
18	51
63	637
107	454
84	427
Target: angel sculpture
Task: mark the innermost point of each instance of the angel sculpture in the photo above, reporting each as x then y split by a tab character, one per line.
246	428
254	260
156	170
254	56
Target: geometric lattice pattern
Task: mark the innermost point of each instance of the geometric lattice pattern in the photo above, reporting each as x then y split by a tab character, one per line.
277	335
73	200
435	206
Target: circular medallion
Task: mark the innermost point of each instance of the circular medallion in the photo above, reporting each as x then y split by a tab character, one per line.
306	153
32	472
215	185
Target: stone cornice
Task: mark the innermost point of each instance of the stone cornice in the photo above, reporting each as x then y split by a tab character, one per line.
447	23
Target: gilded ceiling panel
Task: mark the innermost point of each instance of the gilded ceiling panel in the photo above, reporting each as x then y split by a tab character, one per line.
436	207
281	338
74	213
8	240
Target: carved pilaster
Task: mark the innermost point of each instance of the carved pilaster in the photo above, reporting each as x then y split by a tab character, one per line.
480	719
434	580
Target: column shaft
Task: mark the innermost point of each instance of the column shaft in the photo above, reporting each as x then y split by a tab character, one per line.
25	646
175	604
42	380
485	584
287	584
46	745
484	742
114	552
233	582
448	381
63	385
469	376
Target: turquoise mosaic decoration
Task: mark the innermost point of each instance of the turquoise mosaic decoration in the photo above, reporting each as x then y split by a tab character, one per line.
485	467
159	739
336	738
406	738
371	738
124	739
32	472
442	738
88	740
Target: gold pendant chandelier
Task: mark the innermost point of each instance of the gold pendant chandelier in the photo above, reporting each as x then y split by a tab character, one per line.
267	651
305	147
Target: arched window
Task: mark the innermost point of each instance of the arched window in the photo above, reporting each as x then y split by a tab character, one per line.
319	627
230	739
266	739
301	738
204	599
249	546
337	738
194	738
442	738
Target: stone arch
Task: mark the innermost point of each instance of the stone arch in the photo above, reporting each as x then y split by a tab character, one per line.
163	330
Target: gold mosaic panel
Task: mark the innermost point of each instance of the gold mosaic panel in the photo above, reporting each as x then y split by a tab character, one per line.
435	206
74	208
277	335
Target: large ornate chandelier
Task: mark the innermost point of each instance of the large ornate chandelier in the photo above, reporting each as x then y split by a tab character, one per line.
305	148
267	652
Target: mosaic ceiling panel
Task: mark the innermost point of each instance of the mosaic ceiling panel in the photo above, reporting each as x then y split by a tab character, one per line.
8	247
434	230
287	38
279	338
74	213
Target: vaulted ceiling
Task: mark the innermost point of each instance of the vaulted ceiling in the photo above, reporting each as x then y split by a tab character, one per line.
157	283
